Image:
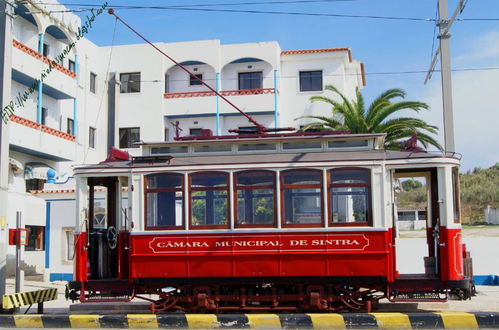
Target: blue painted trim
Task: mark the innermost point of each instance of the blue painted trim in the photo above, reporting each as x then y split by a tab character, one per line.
218	103
200	115
61	277
40	84
60	199
75	108
76	65
486	279
275	100
47	236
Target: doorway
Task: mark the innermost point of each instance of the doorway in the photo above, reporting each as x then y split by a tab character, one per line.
416	224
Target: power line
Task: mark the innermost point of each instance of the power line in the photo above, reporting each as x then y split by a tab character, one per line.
341	74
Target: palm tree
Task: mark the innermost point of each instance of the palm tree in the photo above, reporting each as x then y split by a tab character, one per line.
356	119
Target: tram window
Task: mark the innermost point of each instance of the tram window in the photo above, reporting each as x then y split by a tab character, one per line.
164	201
213	148
456	192
100	207
349	196
209	200
256	147
255	191
302	145
169	150
347	144
302	197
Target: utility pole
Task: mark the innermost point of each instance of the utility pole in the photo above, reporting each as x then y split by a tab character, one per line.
444	36
444	24
6	12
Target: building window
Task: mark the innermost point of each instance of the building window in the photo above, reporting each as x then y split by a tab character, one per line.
34	184
167	134
44	116
310	81
93	82
71	66
128	136
70	244
255	191
209	200
164	201
91	137
130	82
36	238
349	196
167	86
193	81
46	50
302	197
195	131
70	127
250	80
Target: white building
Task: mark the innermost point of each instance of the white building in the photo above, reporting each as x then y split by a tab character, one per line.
91	102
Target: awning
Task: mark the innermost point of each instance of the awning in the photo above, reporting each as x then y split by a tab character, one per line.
16	166
36	171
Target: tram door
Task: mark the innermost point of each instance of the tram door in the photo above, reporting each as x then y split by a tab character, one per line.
104	212
417	224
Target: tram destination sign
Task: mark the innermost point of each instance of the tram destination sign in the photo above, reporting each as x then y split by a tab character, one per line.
260	243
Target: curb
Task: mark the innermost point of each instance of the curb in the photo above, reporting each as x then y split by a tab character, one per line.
263	321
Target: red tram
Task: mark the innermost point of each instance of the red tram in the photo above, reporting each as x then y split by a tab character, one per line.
269	222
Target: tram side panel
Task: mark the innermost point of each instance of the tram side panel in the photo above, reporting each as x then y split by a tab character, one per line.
338	254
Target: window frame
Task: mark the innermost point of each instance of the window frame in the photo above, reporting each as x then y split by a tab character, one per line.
91	137
131	144
226	188
71	65
235	198
310	72
195	82
158	190
70	126
367	185
249	72
284	186
93	83
44	115
128	90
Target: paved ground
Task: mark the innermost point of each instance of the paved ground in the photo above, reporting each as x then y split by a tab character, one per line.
468	231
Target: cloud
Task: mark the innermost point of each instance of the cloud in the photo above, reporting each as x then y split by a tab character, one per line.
475	104
484	49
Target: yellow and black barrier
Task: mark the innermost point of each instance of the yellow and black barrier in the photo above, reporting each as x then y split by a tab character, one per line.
447	320
15	300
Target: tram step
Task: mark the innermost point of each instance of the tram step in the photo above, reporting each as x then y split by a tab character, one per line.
108	297
418	297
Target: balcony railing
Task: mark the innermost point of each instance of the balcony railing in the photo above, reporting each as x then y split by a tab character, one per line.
43	128
254	91
45	60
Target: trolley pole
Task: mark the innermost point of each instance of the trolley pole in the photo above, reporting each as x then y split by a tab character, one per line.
445	66
6	12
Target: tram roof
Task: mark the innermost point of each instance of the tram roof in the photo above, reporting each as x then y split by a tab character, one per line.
250	159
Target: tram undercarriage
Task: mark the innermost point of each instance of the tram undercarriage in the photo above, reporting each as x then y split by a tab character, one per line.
267	295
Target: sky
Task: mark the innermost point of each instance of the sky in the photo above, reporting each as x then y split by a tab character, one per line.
384	45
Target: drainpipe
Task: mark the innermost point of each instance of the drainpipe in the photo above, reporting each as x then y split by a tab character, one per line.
217	83
40	83
275	99
75	101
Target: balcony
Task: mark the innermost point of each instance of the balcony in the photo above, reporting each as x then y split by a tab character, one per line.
204	102
28	64
33	138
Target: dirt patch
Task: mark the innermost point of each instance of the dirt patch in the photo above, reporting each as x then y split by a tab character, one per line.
468	231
